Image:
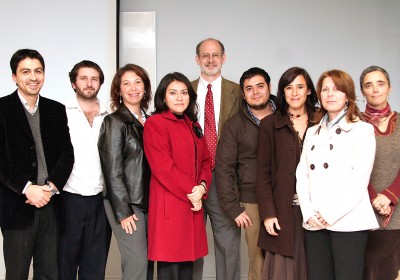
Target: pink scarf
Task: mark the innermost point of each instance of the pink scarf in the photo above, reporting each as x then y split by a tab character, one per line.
377	115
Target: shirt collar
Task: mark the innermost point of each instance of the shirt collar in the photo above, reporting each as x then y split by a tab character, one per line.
74	104
213	84
26	105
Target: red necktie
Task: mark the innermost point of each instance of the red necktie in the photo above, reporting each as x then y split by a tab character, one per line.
210	130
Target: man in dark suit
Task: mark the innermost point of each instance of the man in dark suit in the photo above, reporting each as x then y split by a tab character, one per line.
36	159
226	98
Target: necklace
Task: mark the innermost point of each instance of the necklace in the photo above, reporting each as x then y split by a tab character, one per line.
299	139
293	116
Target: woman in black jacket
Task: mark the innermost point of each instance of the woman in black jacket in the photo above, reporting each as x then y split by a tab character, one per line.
125	169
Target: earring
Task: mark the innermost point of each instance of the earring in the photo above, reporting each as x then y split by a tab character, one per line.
347	103
120	99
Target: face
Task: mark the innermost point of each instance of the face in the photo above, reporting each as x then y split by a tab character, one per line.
131	89
376	89
29	77
177	97
256	92
296	94
332	99
211	58
87	83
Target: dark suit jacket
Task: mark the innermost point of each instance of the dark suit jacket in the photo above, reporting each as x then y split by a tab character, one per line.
18	160
231	95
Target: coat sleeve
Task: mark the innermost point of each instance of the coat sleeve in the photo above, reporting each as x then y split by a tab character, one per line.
266	205
225	170
157	147
111	150
205	172
60	172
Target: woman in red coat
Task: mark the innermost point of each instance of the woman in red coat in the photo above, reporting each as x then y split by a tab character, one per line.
180	164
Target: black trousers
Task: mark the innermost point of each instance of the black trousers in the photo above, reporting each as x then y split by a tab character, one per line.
335	255
174	270
38	242
85	240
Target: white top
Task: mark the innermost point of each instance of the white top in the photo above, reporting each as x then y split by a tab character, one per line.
86	177
201	98
333	175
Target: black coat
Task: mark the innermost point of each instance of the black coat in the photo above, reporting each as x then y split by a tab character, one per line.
124	165
18	160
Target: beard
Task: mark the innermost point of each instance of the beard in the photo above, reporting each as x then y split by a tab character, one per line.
258	106
88	95
213	72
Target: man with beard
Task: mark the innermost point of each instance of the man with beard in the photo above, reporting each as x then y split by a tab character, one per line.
237	154
85	240
218	100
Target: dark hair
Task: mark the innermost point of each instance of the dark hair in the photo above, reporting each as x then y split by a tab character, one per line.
85	64
255	71
22	54
115	91
210	39
370	69
159	97
343	83
288	77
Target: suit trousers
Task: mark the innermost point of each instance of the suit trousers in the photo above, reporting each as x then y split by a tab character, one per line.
133	247
85	240
39	242
333	255
256	258
226	240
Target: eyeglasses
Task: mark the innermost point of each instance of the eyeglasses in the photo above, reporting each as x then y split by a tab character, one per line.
206	56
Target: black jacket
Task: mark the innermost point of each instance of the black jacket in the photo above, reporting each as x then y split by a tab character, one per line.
18	159
123	162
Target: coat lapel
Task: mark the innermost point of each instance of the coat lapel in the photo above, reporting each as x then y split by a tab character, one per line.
17	111
228	99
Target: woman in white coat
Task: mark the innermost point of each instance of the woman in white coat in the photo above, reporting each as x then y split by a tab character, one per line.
332	182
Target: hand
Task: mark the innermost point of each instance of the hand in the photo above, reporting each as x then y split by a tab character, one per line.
243	220
270	224
128	224
37	196
197	193
197	205
381	204
316	221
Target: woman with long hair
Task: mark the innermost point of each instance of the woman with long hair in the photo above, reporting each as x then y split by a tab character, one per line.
181	172
280	144
125	169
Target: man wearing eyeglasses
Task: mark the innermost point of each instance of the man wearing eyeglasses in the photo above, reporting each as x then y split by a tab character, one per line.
218	100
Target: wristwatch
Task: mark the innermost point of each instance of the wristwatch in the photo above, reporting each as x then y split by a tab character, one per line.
53	192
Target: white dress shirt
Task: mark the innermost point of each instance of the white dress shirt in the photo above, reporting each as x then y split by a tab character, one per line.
86	177
201	98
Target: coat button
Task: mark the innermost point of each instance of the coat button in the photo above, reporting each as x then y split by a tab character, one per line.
330	147
326	165
312	166
312	148
338	131
34	164
32	147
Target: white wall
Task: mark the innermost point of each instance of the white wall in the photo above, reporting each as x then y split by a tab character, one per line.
64	32
275	35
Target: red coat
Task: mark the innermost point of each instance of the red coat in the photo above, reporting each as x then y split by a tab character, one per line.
179	160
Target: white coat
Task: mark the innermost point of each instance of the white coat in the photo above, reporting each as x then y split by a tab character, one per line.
333	175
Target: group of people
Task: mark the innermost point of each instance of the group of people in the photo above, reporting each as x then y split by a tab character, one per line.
313	182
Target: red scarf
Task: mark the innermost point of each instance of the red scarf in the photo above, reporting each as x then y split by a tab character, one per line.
374	116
